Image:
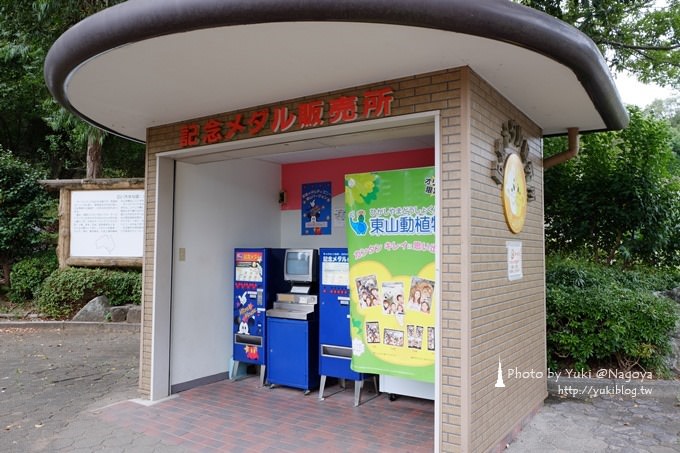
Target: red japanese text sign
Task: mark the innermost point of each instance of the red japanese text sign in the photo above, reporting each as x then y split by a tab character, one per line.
277	119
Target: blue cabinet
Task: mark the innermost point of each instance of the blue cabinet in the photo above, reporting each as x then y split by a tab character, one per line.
292	353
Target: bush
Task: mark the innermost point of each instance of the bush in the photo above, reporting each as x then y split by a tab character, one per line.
23	207
67	290
601	314
28	274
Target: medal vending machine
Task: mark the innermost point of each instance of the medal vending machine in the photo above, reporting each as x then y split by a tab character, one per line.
335	343
258	277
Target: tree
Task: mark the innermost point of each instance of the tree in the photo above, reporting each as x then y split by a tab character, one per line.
669	111
23	206
21	91
638	36
619	199
79	136
32	125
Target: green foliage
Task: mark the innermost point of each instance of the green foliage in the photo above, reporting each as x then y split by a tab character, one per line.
668	110
32	125
123	158
601	314
28	274
638	36
67	290
23	206
619	199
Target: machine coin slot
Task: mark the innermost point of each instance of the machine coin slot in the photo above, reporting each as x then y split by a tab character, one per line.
260	296
248	339
343	300
336	351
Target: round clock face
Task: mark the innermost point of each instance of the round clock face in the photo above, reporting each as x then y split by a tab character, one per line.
514	193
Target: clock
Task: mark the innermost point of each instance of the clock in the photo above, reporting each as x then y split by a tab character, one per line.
514	193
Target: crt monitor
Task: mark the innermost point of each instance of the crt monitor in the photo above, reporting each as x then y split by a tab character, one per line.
300	265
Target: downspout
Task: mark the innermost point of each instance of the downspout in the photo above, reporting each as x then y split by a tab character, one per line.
571	152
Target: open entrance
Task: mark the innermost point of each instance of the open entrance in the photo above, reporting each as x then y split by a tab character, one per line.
212	200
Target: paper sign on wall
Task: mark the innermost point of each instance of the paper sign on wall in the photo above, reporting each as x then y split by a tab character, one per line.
514	249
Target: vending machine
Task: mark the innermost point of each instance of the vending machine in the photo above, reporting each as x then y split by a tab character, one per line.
335	344
293	325
258	277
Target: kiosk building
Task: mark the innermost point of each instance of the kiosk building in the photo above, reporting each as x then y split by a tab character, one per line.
240	103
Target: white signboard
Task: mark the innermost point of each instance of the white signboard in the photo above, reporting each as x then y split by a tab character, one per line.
107	223
514	260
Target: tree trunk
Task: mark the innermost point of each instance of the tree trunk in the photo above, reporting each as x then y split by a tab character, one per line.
94	155
6	271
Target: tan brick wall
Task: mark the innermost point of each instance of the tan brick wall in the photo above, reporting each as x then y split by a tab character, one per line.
443	91
147	271
507	317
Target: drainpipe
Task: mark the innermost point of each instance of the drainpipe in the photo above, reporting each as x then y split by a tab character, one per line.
564	156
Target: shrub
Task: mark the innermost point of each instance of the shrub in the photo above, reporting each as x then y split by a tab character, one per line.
23	207
602	314
28	274
67	290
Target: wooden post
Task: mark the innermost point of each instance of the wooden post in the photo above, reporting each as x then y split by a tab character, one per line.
64	241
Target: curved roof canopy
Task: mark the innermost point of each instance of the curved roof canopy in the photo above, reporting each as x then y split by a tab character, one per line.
145	63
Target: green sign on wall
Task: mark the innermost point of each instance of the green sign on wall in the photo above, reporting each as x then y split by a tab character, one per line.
391	242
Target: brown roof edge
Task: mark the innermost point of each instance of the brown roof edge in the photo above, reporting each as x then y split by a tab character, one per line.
501	20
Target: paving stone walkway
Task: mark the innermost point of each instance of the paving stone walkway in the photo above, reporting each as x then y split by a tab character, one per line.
60	391
51	377
602	424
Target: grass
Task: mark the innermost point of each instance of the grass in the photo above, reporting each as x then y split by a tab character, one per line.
11	310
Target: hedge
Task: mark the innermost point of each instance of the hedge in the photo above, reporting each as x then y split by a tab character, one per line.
601	315
67	290
28	274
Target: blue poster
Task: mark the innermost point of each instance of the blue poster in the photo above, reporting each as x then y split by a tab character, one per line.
316	208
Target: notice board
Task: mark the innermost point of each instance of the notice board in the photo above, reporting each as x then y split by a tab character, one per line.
107	223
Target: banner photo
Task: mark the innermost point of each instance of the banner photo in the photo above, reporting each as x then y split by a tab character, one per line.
316	208
391	244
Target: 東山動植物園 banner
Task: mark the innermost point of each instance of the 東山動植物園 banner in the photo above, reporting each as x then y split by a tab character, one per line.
391	244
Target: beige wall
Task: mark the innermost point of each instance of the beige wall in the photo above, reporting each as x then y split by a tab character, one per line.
506	318
482	314
148	268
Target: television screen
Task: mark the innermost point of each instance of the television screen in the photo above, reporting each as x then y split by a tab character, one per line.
299	265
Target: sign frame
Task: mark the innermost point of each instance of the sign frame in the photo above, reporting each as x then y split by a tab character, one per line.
64	240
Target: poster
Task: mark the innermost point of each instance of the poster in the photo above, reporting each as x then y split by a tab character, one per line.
248	266
391	243
316	208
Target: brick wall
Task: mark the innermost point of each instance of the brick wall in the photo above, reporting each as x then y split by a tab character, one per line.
148	270
507	318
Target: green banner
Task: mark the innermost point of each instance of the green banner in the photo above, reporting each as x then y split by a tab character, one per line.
391	242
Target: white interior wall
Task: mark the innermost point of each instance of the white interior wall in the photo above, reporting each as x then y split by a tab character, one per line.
218	207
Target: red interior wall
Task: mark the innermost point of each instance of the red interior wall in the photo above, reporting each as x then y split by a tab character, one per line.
334	170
